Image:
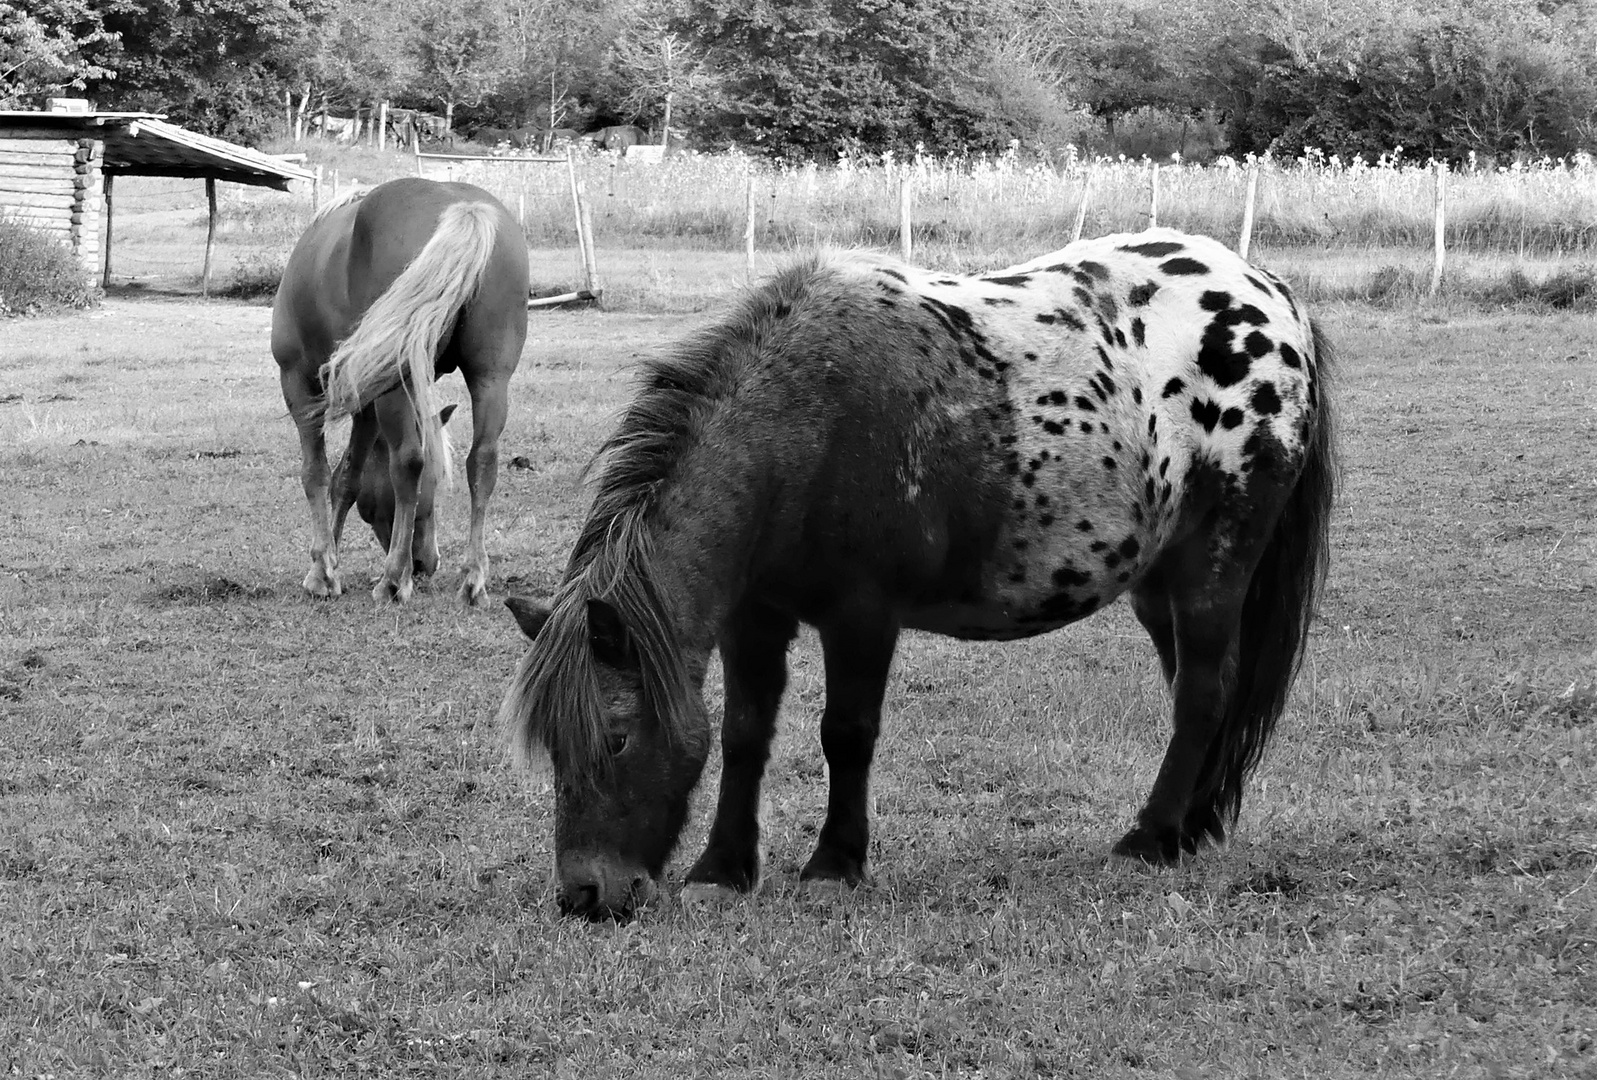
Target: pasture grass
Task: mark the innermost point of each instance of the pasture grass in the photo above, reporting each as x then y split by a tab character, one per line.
246	834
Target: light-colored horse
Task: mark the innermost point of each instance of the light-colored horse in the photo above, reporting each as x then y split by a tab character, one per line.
382	294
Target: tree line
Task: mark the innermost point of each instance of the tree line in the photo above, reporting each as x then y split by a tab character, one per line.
814	79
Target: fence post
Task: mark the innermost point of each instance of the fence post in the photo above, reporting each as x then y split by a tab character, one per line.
1247	211
905	216
1081	211
382	125
590	259
1153	196
1441	225
316	191
748	228
576	210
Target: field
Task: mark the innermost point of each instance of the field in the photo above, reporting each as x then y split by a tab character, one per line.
247	834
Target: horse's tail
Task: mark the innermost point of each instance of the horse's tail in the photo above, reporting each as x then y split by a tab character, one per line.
1279	605
400	335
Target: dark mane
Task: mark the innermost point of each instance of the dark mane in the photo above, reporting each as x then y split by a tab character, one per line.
554	700
674	395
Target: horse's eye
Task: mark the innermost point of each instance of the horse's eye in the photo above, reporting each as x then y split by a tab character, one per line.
616	743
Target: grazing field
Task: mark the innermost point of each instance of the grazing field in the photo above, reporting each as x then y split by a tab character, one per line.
243	833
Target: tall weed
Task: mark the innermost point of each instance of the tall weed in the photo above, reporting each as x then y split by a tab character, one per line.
39	272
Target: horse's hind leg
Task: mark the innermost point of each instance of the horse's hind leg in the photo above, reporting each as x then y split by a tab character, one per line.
754	659
405	464
1205	651
305	404
490	405
859	654
1151	604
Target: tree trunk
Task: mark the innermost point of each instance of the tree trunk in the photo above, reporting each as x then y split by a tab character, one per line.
665	132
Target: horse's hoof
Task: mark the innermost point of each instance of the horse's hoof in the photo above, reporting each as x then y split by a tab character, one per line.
386	592
323	586
473	592
708	894
1156	848
824	868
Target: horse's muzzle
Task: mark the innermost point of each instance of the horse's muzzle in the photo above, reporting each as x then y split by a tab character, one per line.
596	888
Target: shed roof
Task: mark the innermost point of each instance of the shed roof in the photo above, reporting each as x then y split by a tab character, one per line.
144	144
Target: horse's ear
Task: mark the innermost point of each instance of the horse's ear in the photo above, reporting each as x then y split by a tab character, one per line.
444	414
530	615
607	635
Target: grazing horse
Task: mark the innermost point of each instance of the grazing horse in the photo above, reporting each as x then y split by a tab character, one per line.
863	447
382	294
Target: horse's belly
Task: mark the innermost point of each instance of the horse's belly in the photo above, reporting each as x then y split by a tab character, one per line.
973	622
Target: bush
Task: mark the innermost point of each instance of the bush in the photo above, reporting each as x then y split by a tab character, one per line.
39	272
256	278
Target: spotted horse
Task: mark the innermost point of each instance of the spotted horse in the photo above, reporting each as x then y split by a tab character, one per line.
865	447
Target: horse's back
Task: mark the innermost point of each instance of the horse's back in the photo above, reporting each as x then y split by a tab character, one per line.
1008	453
352	254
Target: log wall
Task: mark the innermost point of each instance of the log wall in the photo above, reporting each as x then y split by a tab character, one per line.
52	179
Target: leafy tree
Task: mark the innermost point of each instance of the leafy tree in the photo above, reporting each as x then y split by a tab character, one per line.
460	47
366	51
1119	56
818	77
217	65
47	46
660	73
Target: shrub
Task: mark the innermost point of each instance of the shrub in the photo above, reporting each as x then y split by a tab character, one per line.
256	278
39	272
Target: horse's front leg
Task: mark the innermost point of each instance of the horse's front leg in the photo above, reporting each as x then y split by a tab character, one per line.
490	405
307	407
754	660
405	465
859	655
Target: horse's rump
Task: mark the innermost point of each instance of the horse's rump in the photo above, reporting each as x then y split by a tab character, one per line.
405	327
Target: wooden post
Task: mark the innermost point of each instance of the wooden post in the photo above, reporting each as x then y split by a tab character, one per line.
748	229
105	277
1153	197
1247	211
316	191
288	112
1081	211
521	209
210	234
382	125
905	218
1441	224
590	259
576	209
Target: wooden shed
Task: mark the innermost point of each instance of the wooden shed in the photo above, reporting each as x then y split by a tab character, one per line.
58	170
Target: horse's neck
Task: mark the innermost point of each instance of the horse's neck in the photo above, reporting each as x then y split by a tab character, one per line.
705	526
